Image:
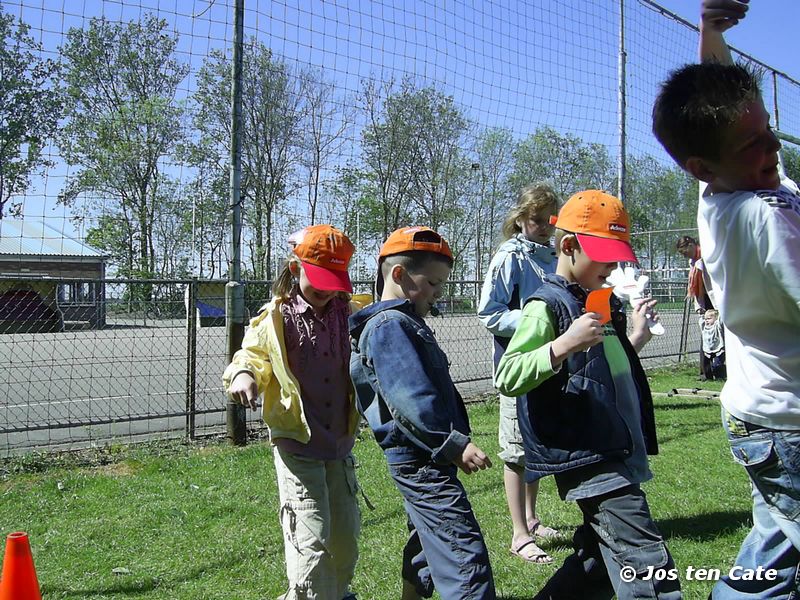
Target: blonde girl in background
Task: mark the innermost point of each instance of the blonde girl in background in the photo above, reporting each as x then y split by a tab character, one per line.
516	271
296	354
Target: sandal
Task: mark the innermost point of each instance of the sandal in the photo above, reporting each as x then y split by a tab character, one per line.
528	551
537	530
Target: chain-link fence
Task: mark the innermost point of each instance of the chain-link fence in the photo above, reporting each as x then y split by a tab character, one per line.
137	359
115	189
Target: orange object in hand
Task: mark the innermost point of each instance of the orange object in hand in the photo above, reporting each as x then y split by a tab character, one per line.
599	301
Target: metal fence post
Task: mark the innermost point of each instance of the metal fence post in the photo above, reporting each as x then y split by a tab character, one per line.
191	356
687	303
621	105
234	291
235	413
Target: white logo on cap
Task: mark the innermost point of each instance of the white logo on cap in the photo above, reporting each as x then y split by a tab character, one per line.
616	227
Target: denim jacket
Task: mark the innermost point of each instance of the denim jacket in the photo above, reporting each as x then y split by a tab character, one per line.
403	385
572	420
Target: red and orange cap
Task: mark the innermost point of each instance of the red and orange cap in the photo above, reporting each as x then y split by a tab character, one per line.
601	224
407	239
411	239
325	253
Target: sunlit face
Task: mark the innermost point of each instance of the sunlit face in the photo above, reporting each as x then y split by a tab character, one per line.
709	317
749	155
425	287
576	266
318	299
536	227
591	275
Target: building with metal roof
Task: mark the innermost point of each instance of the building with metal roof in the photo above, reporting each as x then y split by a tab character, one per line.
37	257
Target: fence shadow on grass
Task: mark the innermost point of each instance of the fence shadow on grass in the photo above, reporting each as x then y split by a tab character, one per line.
669	434
706	526
687	405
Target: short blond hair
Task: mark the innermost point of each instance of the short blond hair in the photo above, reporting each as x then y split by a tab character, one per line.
532	199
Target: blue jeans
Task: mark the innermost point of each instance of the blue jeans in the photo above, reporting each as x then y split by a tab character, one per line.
445	548
617	537
772	460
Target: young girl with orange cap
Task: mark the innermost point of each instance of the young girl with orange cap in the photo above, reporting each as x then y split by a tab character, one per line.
296	354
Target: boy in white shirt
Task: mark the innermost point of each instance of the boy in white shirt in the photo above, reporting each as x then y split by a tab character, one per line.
711	119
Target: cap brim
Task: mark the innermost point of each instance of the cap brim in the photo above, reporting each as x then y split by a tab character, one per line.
601	249
328	280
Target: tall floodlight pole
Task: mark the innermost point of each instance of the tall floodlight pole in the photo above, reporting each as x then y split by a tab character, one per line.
236	417
621	105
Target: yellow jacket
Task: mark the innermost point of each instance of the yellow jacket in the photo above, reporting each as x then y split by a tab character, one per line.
263	355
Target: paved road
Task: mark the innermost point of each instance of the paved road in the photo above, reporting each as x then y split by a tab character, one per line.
53	383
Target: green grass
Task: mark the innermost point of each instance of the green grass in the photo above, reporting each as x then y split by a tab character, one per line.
200	522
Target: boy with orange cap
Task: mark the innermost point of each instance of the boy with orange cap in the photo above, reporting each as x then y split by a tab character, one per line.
404	389
591	422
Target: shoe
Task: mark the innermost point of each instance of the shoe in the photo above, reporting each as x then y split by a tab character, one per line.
537	530
528	551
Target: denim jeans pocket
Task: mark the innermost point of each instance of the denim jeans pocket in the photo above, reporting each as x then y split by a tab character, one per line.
771	458
645	560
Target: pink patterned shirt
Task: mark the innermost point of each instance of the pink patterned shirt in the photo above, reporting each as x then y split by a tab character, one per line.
318	350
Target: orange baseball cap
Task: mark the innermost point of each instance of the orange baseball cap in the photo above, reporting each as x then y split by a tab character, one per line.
601	224
325	253
409	239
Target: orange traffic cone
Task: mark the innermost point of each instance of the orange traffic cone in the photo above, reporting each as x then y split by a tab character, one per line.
19	576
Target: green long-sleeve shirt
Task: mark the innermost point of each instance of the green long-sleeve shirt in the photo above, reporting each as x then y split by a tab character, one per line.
526	364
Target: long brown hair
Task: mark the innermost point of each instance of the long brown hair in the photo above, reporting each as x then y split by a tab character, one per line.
531	200
285	281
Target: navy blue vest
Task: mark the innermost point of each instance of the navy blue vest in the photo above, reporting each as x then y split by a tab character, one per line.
571	419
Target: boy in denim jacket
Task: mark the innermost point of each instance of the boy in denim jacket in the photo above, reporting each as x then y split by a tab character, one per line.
711	119
404	390
590	422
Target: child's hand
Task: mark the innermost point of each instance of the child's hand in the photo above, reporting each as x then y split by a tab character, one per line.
472	459
642	310
244	390
584	332
721	15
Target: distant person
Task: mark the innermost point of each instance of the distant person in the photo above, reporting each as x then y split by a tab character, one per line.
296	354
699	287
516	271
404	390
711	119
713	344
588	415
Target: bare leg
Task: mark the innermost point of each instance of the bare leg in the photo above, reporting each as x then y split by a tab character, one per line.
522	543
534	526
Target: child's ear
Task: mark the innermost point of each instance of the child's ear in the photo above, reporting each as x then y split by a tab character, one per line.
568	245
397	273
700	169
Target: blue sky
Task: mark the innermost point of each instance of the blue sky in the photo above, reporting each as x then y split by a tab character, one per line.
769	33
519	65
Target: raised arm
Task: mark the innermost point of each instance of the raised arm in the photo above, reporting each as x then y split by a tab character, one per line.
716	17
